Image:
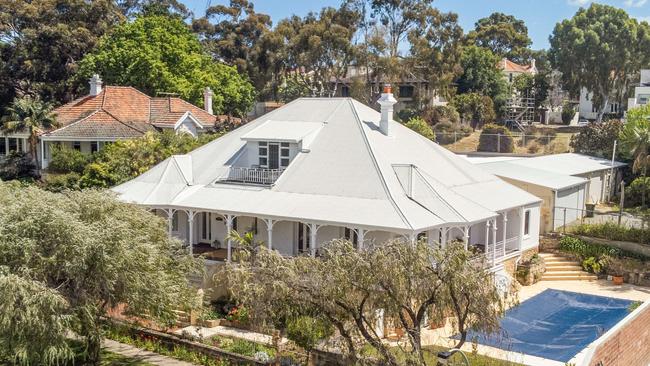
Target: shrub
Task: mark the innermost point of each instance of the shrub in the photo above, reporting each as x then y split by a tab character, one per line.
584	250
474	108
592	265
612	231
61	182
495	138
307	331
448	133
18	165
422	127
635	191
66	160
597	139
568	112
441	113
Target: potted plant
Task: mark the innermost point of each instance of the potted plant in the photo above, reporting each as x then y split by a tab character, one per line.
210	318
617	279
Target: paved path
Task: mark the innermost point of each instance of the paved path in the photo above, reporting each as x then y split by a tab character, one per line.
142	355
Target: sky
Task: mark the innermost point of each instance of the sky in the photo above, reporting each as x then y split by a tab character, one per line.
540	15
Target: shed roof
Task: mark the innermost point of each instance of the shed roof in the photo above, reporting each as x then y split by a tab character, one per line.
568	163
543	178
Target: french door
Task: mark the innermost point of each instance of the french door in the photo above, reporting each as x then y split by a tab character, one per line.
274	155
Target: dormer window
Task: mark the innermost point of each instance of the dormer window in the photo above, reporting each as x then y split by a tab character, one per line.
273	155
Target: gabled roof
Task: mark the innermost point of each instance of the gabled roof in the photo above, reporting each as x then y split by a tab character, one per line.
124	112
509	66
352	174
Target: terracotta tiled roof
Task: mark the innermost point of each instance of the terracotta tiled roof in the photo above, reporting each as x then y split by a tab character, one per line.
125	112
101	124
509	66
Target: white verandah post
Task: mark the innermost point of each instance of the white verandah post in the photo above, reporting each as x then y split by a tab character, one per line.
494	240
313	229
505	226
269	230
487	237
361	234
229	221
522	220
170	220
190	221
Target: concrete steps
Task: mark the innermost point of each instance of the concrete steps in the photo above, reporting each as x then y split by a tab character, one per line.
560	268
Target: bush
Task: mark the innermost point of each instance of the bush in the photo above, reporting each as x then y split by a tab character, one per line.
422	127
635	191
568	112
441	114
495	138
448	133
592	265
584	250
61	182
597	139
66	160
18	165
307	331
612	231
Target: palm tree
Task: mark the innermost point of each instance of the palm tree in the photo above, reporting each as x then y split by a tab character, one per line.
31	115
635	139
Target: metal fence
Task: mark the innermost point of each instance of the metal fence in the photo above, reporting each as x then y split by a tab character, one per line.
565	217
515	142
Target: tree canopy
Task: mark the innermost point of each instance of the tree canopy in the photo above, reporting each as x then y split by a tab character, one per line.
347	287
159	54
504	35
481	75
42	42
66	259
597	139
600	49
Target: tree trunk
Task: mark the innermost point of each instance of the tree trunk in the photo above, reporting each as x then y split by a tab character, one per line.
601	113
93	349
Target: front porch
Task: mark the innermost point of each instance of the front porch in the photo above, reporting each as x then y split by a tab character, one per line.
497	238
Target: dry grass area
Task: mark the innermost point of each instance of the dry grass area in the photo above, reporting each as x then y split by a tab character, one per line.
532	144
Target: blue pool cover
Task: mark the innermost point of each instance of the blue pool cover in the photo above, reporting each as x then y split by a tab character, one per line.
555	324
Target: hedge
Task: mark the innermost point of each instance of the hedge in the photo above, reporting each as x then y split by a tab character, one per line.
613	231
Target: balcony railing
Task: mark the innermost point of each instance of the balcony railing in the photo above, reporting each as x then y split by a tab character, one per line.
252	175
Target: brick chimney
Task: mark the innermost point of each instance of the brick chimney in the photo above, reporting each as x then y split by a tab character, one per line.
95	85
207	99
386	101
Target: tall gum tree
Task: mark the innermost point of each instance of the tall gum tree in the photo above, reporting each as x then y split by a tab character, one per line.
600	49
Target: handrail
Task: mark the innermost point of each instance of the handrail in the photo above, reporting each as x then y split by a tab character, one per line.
252	175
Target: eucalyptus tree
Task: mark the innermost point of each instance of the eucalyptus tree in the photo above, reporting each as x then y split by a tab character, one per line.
348	288
66	259
600	49
504	35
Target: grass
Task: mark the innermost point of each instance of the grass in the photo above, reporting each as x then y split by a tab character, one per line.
431	357
114	359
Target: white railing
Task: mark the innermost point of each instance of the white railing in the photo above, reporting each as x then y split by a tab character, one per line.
501	249
252	175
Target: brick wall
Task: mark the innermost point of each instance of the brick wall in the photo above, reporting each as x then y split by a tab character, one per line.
628	345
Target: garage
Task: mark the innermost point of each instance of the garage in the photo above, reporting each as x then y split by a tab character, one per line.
563	196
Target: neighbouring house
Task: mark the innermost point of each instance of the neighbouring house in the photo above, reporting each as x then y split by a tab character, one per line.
520	107
113	113
410	90
587	109
318	169
641	92
511	70
564	182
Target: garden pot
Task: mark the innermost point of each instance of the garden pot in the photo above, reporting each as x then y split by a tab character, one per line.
618	280
590	209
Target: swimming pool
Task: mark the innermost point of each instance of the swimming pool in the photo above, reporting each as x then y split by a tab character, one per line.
555	324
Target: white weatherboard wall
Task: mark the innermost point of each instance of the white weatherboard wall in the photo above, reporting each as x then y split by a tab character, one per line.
532	239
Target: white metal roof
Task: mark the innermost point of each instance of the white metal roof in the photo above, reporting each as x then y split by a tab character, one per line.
543	178
352	174
282	131
568	163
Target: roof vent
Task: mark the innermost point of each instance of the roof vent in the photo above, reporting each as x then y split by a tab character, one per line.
386	101
95	85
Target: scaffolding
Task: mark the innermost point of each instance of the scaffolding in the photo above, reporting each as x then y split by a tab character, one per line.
520	110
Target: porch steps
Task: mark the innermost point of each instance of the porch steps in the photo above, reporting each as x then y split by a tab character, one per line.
561	268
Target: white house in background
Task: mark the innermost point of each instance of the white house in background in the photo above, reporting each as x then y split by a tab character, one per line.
565	182
587	110
510	70
641	92
318	169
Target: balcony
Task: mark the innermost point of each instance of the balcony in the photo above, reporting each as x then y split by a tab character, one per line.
258	176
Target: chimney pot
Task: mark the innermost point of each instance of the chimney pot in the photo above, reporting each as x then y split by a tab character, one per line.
207	99
95	85
386	101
